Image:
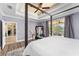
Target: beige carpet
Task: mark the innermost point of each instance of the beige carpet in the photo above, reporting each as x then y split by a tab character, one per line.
17	52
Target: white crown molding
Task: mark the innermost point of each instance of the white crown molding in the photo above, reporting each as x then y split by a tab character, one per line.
30	14
57	7
64	7
41	17
3	14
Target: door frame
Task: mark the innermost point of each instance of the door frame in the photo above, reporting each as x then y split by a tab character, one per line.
16	29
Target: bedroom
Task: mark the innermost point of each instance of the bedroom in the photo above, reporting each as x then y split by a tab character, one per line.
48	24
59	31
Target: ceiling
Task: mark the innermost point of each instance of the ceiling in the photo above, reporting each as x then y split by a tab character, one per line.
18	10
10	9
32	9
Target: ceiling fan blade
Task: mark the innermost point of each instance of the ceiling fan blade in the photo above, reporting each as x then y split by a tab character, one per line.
40	5
45	7
36	11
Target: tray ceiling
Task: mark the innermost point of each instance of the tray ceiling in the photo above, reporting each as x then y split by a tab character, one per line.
32	9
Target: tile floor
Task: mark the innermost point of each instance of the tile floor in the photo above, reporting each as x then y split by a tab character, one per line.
16	52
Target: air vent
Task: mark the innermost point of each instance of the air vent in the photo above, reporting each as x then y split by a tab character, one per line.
9	6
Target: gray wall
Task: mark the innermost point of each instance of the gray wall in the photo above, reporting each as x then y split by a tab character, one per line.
43	23
0	32
32	25
31	28
20	30
75	19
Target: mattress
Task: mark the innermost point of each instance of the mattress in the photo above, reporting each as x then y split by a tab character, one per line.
53	46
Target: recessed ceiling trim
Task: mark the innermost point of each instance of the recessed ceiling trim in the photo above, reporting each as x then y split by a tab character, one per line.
38	9
66	10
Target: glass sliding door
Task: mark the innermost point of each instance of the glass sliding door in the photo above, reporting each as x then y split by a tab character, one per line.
57	27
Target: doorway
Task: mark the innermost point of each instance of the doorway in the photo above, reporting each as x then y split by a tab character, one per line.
10	32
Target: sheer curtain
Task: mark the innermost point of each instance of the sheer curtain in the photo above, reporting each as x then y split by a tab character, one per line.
68	30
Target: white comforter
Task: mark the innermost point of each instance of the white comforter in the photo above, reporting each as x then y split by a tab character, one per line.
53	46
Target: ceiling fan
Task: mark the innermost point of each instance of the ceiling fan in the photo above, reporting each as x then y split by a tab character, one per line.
40	6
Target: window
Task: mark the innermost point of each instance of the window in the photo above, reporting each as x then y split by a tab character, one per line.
57	27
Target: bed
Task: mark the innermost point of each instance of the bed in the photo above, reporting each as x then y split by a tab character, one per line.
53	46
